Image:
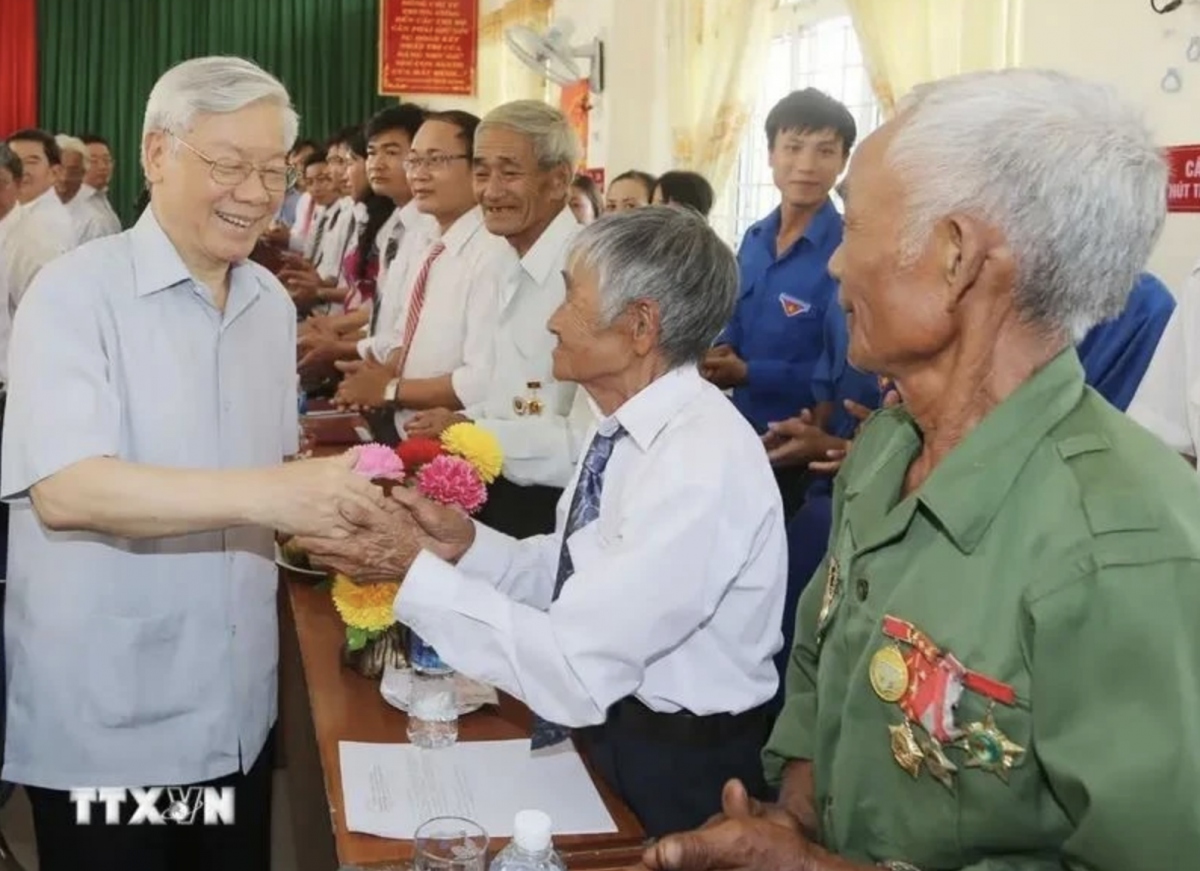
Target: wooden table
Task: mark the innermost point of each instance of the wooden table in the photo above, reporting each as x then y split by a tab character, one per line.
323	703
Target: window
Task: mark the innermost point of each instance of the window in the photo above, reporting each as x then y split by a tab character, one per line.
824	55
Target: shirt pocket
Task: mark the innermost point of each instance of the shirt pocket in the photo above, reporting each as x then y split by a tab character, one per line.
138	671
998	779
799	336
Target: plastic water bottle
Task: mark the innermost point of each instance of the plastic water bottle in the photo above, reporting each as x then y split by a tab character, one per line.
433	703
530	848
301	398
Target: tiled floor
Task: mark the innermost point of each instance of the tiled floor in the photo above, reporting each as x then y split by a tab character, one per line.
17	825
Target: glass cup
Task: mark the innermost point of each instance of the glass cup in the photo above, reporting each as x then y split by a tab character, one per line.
450	844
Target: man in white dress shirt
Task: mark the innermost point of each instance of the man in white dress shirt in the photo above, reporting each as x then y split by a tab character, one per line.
91	221
649	619
439	355
141	613
389	136
1167	401
525	158
316	275
26	242
42	160
97	175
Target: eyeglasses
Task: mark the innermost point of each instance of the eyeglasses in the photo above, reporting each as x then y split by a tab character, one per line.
227	173
432	162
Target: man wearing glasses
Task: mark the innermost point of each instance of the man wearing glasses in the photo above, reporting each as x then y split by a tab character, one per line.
151	403
439	352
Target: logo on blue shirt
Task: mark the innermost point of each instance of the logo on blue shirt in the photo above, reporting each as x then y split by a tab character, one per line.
793	306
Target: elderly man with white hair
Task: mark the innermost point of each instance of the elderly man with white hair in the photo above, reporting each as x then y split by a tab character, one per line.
525	157
152	398
88	208
996	668
648	620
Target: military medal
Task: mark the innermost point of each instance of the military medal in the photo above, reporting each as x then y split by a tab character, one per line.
905	749
889	673
530	404
832	582
936	760
990	749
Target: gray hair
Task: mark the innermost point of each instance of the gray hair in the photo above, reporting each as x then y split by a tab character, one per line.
1064	168
70	143
217	85
554	140
10	161
669	255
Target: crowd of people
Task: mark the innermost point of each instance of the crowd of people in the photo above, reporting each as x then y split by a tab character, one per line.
918	404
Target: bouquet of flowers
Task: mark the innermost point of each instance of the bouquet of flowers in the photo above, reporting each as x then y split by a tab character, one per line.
454	470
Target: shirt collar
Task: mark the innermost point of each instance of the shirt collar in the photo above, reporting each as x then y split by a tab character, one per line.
545	255
44	201
86	191
157	266
969	486
817	231
462	231
647	412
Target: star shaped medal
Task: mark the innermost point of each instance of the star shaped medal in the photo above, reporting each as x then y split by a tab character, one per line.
988	748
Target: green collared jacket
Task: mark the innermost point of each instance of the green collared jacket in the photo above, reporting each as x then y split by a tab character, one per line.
1056	553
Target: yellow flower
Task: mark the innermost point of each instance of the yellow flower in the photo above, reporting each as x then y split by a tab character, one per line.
364	606
477	446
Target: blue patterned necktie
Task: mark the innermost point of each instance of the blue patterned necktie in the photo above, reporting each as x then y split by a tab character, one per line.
585	508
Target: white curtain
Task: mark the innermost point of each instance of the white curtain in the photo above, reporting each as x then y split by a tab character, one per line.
715	55
500	76
909	42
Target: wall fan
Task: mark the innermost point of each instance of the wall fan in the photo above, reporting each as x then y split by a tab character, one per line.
553	56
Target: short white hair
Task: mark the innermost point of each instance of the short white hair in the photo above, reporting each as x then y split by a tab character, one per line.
1067	170
71	143
554	140
215	85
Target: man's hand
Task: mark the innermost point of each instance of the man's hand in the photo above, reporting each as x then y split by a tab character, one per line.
748	836
432	423
314	497
278	234
798	441
317	351
303	284
316	325
834	457
724	368
362	388
384	544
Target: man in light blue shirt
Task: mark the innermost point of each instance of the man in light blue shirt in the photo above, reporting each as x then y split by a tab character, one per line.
151	400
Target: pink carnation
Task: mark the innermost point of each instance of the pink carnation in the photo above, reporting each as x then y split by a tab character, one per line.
452	481
378	461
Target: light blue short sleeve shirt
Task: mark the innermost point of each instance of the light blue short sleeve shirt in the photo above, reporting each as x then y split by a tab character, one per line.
153	662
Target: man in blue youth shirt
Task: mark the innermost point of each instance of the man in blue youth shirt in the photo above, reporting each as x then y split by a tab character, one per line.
767	352
1116	354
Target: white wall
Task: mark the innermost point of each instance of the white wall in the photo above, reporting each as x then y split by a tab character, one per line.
1126	44
629	126
1117	41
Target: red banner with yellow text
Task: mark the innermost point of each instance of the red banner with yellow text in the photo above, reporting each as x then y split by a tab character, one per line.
428	46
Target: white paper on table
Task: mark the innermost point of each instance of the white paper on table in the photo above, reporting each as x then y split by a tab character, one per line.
390	789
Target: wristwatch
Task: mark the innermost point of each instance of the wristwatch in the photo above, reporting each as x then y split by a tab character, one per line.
391	390
894	865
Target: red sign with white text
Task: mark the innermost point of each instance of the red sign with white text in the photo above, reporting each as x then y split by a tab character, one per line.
428	46
1183	185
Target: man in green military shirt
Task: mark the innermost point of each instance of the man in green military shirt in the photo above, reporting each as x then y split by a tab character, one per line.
997	667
